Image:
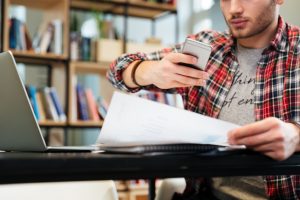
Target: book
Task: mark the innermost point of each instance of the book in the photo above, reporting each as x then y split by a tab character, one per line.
102	107
82	103
40	106
86	49
32	96
74	110
57	104
46	38
51	112
133	122
57	36
74	46
91	104
36	42
14	34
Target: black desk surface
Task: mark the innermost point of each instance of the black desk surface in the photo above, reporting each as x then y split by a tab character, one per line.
39	167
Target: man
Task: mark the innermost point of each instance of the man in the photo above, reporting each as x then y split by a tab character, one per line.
252	78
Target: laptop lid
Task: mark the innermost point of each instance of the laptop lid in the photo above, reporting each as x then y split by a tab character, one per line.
19	130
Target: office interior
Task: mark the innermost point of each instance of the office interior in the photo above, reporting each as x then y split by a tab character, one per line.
165	29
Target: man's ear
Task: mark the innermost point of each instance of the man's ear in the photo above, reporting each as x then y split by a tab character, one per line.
279	2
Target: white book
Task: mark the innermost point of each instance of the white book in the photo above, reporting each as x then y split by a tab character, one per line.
58	34
50	103
74	116
46	39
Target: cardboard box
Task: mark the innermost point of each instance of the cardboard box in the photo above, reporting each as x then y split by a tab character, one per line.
108	50
143	47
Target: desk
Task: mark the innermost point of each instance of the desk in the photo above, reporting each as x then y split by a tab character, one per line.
41	167
47	167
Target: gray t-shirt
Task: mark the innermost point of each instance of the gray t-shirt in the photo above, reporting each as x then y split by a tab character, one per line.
239	108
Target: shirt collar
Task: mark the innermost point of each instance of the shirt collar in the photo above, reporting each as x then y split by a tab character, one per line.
279	42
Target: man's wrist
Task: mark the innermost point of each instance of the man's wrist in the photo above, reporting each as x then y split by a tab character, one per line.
297	126
133	72
142	74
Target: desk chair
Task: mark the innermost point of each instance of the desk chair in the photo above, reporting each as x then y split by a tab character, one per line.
87	190
168	187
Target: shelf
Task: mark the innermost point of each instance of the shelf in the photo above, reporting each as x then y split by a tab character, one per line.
44	4
90	67
50	9
93	124
32	54
136	8
52	123
86	123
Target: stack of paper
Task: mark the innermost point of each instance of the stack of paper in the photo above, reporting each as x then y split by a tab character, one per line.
136	121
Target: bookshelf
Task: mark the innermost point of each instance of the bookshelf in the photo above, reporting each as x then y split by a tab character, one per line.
33	55
60	9
61	69
135	8
51	9
79	67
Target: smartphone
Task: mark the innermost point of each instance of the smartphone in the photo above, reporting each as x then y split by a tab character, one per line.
198	49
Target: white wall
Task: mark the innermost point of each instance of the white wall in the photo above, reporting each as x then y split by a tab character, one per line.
290	11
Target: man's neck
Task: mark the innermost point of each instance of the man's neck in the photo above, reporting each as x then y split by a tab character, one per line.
262	39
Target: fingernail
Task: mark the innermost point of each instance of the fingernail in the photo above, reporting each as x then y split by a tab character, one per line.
195	60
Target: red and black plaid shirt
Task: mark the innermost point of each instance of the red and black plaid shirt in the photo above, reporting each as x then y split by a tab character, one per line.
277	86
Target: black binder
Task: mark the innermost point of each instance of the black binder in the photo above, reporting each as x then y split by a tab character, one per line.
162	148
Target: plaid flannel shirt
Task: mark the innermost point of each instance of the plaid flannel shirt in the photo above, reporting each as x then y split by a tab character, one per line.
277	87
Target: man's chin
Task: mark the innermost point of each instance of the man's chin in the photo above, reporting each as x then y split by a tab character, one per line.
240	34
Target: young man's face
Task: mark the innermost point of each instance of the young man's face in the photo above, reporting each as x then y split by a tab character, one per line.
247	18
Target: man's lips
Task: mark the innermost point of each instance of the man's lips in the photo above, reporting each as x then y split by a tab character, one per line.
238	23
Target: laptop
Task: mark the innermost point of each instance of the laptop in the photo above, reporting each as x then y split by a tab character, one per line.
19	129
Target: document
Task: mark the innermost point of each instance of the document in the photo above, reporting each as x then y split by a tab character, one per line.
133	121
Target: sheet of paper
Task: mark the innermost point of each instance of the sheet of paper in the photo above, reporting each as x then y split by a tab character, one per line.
134	121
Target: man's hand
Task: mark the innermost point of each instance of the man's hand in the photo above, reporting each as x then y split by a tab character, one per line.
271	136
167	73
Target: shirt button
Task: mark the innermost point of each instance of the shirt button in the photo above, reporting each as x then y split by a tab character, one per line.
229	78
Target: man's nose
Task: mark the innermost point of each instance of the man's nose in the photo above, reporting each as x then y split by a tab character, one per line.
236	7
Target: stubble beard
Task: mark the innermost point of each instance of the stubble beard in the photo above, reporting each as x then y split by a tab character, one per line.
260	23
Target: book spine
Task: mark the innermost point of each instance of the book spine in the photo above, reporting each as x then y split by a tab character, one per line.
12	34
86	49
46	39
91	105
74	102
23	45
41	106
74	46
102	107
32	96
57	104
82	104
50	108
17	25
57	46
